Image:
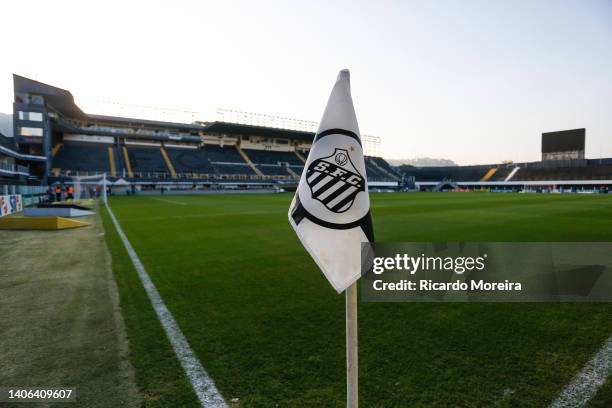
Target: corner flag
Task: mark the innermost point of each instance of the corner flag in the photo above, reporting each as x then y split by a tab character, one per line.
331	209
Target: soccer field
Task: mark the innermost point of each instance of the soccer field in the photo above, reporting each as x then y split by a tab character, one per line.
269	328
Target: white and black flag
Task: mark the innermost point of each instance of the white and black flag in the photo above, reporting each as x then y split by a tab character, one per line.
331	209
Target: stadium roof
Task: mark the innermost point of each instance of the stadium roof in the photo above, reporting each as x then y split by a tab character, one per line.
251	130
146	122
63	102
60	99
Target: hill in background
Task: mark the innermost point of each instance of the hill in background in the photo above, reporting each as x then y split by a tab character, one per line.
6	124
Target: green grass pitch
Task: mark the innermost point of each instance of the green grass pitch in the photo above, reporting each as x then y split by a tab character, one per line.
269	329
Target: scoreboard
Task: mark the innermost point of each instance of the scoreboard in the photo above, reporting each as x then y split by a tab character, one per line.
563	141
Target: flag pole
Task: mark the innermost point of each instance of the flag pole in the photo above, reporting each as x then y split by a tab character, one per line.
351	347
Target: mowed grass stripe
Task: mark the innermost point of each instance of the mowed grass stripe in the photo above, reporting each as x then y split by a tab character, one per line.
160	378
202	384
271	330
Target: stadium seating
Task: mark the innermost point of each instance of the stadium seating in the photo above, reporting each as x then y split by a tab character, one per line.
233	169
217	161
297	169
119	160
386	167
227	154
534	173
190	161
302	155
85	157
211	160
503	171
146	160
273	170
373	172
454	173
598	162
272	157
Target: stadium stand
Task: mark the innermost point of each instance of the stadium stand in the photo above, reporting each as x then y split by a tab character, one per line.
273	170
302	156
489	174
145	151
539	175
233	169
597	172
82	157
385	165
272	157
373	171
190	161
384	169
211	153
297	169
501	173
453	173
119	160
146	160
227	154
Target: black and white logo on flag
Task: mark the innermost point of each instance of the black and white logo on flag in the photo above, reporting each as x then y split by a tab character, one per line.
335	181
331	209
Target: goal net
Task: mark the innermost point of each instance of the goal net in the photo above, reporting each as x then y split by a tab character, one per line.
90	187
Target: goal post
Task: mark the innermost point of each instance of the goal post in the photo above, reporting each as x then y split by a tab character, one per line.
90	187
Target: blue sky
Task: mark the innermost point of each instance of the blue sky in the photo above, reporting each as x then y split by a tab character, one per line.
472	81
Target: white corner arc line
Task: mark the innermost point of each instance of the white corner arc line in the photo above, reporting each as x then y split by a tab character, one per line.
202	384
585	384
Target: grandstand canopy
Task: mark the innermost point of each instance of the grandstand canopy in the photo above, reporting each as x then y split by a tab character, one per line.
144	122
263	131
60	99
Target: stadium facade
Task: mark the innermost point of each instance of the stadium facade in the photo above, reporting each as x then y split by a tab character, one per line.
55	141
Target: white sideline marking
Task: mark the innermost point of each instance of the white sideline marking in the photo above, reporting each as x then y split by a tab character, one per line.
585	384
202	384
170	201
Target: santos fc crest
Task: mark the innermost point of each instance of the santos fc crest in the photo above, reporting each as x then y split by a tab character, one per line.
334	181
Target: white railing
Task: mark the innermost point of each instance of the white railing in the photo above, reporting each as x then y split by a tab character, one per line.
191	176
14	168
